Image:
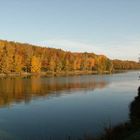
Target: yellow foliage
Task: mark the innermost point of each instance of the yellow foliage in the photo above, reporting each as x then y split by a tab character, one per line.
17	63
35	64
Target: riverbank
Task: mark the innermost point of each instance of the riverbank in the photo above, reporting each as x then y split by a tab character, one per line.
50	73
61	73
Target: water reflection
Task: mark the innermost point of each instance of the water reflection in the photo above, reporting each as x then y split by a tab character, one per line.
76	109
25	89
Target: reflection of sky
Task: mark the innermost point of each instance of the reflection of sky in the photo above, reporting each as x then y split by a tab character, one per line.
126	82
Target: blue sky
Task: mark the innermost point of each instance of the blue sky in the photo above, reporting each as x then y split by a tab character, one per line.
110	27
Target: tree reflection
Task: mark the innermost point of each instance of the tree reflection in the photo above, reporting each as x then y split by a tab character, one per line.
25	89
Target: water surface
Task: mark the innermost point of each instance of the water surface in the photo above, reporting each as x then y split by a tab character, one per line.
42	108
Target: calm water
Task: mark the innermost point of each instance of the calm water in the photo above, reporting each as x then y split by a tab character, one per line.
39	108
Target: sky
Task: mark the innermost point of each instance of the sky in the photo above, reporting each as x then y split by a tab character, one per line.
110	27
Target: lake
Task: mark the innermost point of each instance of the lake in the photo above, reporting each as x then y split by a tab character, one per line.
35	108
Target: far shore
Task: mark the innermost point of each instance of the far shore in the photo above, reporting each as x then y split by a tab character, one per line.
62	73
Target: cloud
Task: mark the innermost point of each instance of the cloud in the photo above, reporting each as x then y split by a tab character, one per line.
126	50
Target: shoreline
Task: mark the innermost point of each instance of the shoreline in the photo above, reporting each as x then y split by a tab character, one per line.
62	73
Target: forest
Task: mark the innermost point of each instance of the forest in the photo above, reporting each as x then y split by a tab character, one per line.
18	57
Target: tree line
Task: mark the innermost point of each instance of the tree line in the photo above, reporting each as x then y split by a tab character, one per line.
125	65
21	57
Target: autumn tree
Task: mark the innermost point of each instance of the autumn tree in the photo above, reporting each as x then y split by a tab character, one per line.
52	65
109	66
100	64
18	63
35	64
18	57
7	59
90	63
58	66
66	65
84	61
